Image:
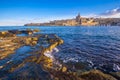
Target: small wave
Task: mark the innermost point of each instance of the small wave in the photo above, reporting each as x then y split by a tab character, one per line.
116	67
51	53
1	67
70	60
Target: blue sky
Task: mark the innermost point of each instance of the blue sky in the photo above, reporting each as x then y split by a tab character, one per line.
19	12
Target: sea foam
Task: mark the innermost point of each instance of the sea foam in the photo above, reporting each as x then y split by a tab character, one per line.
51	53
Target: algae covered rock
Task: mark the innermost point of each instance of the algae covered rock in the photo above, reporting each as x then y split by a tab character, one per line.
64	69
116	74
34	38
6	34
27	31
35	65
29	71
14	31
96	75
36	30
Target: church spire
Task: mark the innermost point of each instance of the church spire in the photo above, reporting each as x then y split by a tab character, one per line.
78	18
79	14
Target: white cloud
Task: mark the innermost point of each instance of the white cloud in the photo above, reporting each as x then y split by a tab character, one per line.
114	13
90	15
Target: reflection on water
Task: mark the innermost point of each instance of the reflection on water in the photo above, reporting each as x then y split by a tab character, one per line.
97	46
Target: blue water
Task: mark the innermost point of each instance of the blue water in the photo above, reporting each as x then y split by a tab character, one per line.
97	46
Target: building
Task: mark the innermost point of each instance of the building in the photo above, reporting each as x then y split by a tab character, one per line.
78	21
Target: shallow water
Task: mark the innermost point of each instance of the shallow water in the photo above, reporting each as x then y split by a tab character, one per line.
99	47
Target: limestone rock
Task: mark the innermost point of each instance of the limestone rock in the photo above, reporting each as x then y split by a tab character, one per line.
36	30
6	34
64	69
96	75
116	74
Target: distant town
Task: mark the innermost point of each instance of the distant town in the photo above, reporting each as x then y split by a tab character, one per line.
80	21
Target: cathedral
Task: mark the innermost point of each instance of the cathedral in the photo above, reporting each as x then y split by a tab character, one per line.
78	18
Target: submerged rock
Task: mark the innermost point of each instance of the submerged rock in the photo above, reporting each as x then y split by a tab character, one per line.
29	71
27	31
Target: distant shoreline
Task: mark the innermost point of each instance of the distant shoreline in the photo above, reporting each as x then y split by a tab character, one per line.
80	21
64	26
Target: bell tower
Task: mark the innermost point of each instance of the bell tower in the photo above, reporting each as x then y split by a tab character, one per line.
78	18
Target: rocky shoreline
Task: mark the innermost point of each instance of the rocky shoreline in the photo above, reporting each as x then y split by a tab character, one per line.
24	58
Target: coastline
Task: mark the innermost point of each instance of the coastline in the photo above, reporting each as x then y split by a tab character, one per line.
80	21
36	61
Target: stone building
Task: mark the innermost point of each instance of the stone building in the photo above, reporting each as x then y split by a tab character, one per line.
78	19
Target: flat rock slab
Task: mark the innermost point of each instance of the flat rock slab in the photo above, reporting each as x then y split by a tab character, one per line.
22	57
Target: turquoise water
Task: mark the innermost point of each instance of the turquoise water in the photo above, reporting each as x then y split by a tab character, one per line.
99	47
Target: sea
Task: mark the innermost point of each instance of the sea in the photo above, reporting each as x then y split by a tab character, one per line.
93	47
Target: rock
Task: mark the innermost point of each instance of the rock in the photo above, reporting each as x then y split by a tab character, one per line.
56	78
116	74
35	39
28	31
1	67
29	71
31	65
14	31
34	42
96	75
53	46
6	34
64	69
61	41
36	30
63	76
29	39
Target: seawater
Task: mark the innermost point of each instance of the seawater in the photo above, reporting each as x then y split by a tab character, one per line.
99	46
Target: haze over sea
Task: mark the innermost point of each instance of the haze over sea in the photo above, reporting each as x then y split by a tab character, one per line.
98	47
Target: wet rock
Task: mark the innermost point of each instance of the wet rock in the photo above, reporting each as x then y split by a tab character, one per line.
53	46
34	42
38	66
116	75
81	66
14	31
96	75
28	31
35	39
18	68
30	71
6	34
60	41
36	30
59	75
64	69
